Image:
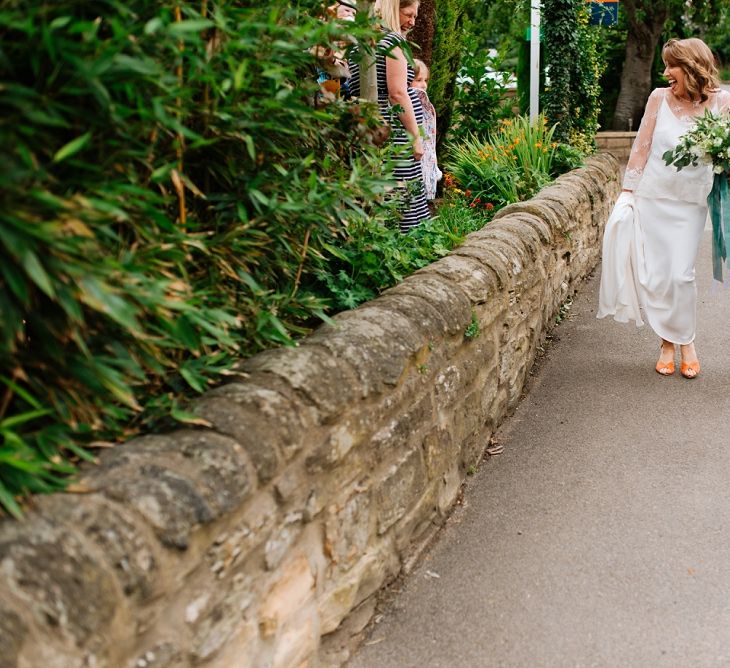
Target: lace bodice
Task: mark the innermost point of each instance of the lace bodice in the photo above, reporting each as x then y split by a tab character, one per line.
665	120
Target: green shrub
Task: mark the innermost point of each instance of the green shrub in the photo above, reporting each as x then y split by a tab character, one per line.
375	256
480	94
168	194
511	165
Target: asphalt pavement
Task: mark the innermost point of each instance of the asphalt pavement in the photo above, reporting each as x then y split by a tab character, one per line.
601	535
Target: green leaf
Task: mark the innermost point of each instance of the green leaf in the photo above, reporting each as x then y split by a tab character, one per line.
189	26
37	273
73	147
153	25
188	418
22	418
196	382
8	502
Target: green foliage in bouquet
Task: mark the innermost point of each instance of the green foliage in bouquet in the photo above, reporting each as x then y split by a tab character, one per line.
168	193
708	142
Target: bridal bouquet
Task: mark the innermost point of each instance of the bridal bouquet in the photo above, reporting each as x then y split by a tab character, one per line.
708	143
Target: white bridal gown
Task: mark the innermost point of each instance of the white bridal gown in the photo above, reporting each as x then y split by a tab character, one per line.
652	237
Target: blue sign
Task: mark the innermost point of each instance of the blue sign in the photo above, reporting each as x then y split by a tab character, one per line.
604	12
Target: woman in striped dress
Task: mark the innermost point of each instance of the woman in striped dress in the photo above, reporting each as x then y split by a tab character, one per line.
394	77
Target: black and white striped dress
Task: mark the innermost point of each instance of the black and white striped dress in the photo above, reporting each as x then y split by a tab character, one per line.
414	209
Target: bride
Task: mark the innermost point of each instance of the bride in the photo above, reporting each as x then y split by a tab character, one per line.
651	241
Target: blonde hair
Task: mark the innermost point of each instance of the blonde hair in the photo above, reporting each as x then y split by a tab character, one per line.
389	12
697	63
418	66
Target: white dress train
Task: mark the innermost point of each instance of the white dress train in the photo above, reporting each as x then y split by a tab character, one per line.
652	237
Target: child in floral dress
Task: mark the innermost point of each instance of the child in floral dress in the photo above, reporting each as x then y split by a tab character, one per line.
431	172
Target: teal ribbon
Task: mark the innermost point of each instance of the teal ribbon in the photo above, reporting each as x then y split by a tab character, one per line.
718	202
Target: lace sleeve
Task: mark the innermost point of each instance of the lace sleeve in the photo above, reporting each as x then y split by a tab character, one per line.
642	144
723	102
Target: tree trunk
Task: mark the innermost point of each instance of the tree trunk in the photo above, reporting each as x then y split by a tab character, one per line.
642	39
421	37
368	73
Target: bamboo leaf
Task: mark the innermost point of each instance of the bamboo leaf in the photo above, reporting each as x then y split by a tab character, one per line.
189	26
22	418
37	273
9	503
72	147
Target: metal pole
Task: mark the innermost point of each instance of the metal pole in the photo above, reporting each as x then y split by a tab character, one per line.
535	60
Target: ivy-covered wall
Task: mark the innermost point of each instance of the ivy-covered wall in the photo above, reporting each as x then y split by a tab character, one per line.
574	67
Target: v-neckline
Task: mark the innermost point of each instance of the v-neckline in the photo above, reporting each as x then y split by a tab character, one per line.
688	118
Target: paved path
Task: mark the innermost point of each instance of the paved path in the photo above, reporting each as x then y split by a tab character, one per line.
601	536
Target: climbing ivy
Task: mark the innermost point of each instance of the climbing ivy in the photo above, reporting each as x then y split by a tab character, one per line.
574	67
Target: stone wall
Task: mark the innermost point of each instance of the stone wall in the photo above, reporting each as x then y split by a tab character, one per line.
617	143
323	469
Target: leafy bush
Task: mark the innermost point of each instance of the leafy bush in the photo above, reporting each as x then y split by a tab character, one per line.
511	165
480	94
168	195
376	256
566	158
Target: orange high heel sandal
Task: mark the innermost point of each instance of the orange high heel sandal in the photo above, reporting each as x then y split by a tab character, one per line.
686	367
665	368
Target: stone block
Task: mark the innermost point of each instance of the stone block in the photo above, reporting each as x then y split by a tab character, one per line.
403	430
471	275
348	530
216	616
446	297
430	323
13	631
370	342
399	489
124	543
281	540
342	439
171	503
291	592
498	268
418	522
297	642
243	649
218	466
265	424
51	570
378	566
441	452
325	380
335	604
251	529
448	489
